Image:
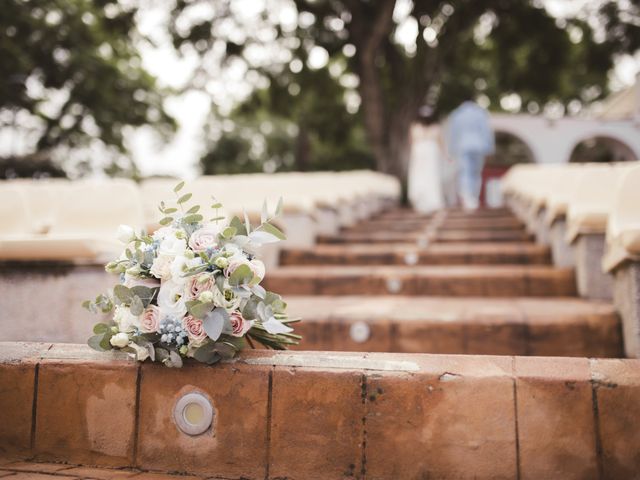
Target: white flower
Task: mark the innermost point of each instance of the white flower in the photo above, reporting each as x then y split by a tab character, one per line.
119	340
163	232
227	300
125	234
206	297
171	299
172	246
133	281
161	267
180	265
125	319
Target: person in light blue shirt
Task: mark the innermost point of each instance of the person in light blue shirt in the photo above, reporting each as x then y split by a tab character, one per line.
469	140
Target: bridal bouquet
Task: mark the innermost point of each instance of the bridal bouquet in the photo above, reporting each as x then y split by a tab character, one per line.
192	289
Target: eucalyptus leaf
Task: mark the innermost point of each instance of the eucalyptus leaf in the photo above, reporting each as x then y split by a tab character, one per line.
100	328
162	354
193	209
167	211
229	232
206	354
137	307
178	187
240	276
201	309
220	283
146	294
275	231
175	360
259	291
184	198
260	237
214	323
166	221
95	342
274	327
250	310
236	223
193	218
122	294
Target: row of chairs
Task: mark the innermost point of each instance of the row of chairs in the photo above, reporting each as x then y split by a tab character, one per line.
69	220
590	198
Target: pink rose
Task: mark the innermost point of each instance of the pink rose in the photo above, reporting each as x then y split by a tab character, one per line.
194	328
199	284
205	237
256	266
150	319
239	326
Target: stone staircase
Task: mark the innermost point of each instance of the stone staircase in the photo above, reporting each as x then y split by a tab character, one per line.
452	282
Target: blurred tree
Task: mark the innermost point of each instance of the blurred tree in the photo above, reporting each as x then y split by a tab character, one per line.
70	74
290	126
420	56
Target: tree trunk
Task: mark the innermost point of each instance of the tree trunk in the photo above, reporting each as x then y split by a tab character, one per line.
302	149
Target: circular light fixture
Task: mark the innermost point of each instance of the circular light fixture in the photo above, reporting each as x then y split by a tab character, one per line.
360	332
411	258
394	285
193	414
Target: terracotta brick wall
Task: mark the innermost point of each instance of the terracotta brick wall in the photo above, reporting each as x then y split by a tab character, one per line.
331	415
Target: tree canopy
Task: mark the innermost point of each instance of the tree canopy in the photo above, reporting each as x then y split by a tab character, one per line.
71	75
450	50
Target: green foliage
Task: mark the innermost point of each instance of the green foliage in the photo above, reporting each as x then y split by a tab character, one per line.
83	54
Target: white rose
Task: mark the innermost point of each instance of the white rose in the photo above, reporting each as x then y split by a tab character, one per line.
180	265
161	267
171	299
172	246
125	234
125	319
119	340
227	300
163	232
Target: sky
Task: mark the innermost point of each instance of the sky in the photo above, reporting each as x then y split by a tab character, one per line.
180	156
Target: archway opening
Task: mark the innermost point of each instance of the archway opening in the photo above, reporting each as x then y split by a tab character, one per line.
510	150
601	149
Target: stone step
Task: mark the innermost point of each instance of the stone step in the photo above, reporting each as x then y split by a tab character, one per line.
498	223
519	326
389	236
480	213
510	235
408	254
322	415
457	281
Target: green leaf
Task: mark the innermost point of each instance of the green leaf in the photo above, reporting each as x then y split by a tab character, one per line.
170	210
193	218
279	207
146	294
122	294
273	230
100	328
88	304
214	322
220	283
166	221
184	198
95	342
199	309
229	232
264	214
136	306
240	276
194	209
104	343
236	223
178	187
207	354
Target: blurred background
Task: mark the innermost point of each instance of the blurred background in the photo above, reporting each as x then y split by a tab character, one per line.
139	88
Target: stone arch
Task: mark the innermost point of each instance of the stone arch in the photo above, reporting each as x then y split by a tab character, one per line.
518	148
618	148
